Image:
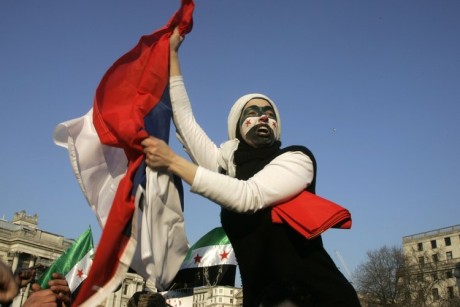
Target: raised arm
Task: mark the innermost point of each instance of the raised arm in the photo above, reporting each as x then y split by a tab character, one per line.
201	149
283	178
174	44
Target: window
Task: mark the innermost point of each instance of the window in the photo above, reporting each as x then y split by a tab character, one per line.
435	294
450	292
449	255
449	274
447	241
433	244
435	257
421	260
420	246
434	276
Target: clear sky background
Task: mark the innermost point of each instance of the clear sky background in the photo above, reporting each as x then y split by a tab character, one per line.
371	87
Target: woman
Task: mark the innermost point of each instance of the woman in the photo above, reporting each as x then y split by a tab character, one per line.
247	176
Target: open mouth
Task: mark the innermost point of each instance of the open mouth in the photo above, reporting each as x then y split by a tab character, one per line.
263	130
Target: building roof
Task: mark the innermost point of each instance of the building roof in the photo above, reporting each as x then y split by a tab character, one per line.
432	233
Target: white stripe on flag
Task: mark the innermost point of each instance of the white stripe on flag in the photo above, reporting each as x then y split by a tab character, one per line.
80	271
209	256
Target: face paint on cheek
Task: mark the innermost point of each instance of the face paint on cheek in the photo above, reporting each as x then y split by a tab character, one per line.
247	123
274	125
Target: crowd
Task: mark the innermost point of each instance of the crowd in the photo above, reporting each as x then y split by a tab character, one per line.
58	293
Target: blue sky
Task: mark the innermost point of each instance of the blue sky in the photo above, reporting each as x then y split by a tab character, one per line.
371	87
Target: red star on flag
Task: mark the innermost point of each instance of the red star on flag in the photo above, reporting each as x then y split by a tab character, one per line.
198	258
80	273
224	255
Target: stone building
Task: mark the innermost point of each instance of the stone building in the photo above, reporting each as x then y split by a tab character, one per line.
433	256
219	296
23	245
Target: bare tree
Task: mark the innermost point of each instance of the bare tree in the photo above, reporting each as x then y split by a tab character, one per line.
377	279
392	277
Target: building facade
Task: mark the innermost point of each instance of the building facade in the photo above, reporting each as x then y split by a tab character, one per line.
433	256
219	296
24	245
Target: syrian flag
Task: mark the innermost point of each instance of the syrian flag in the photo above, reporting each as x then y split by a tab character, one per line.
210	262
140	210
74	264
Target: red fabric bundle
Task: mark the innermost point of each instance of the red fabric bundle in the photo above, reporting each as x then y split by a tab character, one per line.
311	215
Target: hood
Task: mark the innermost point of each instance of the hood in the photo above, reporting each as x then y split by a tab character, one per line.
235	113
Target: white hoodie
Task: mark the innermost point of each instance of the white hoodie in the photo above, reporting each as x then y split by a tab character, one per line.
284	177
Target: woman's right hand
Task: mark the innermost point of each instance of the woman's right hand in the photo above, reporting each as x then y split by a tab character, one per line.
175	41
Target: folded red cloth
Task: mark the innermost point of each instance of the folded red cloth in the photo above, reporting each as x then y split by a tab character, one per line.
311	215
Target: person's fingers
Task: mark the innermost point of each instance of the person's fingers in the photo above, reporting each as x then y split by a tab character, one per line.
148	141
46	295
36	287
25	276
60	288
58	276
65	298
41	298
176	31
58	282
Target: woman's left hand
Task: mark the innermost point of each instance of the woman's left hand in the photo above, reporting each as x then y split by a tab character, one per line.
158	155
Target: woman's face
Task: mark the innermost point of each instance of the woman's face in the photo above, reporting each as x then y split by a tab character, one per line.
257	123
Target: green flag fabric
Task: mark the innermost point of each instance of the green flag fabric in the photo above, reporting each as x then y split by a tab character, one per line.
214	248
210	261
74	264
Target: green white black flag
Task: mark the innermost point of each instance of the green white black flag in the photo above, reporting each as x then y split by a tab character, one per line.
74	264
210	261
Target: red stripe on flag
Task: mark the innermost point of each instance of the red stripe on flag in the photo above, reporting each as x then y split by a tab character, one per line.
127	92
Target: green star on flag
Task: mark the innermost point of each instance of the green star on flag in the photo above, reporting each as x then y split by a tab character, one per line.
74	264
